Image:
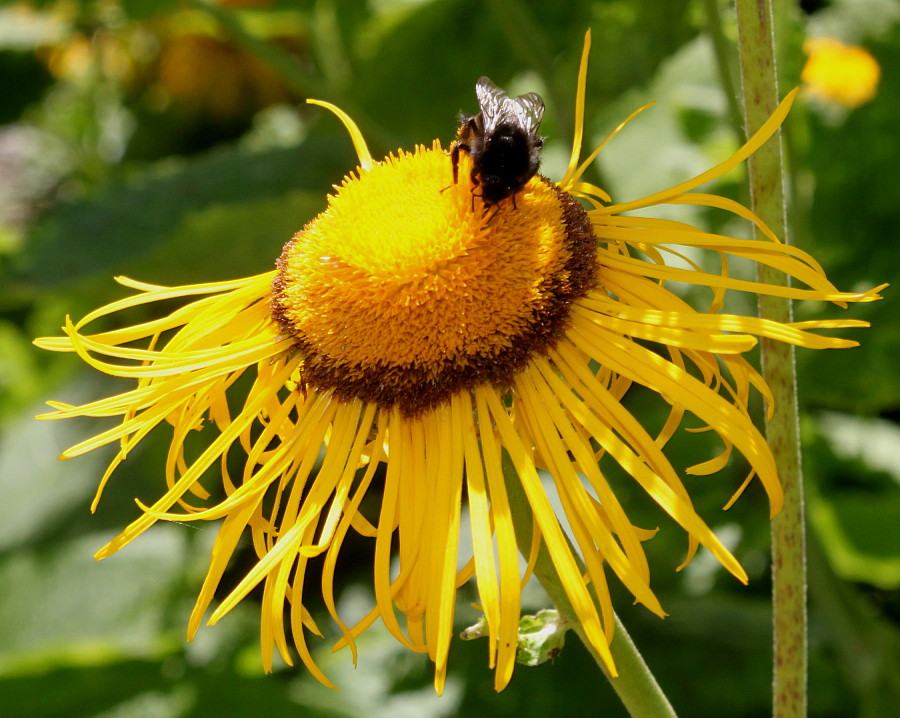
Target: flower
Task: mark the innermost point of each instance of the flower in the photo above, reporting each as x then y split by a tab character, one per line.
204	75
835	73
421	338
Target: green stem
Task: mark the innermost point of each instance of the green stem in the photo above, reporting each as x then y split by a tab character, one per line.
527	42
288	69
305	83
636	686
724	52
760	93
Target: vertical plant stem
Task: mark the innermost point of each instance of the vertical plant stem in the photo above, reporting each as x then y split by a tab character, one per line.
760	93
304	82
724	52
635	685
527	42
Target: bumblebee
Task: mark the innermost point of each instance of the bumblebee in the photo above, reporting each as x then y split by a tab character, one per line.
502	141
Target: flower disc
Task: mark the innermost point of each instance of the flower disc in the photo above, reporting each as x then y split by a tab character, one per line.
408	288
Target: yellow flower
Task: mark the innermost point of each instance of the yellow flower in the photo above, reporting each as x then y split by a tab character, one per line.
418	337
206	75
837	73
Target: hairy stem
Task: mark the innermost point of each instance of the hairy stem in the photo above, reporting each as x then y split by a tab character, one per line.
635	685
760	94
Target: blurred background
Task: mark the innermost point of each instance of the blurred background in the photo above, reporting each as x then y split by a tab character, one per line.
170	142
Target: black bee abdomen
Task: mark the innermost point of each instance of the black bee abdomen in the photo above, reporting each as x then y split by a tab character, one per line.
506	163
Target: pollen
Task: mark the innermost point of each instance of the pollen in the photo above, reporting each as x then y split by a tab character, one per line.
408	288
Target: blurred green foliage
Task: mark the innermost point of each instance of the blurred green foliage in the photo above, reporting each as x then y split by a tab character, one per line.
169	141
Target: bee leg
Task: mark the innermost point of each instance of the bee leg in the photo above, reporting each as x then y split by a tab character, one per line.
454	160
475	182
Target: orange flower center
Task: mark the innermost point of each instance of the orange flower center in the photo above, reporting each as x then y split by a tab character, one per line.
407	287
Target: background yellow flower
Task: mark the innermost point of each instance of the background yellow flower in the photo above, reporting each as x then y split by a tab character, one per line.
846	75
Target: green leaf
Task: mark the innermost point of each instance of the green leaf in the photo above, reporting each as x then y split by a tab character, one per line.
854	502
541	637
129	220
60	606
39	491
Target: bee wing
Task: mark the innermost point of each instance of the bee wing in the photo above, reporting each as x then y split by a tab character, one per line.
496	105
492	101
529	109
